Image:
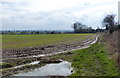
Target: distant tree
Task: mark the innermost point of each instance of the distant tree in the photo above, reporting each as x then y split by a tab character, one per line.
108	22
76	26
98	29
79	27
37	32
90	29
31	32
53	32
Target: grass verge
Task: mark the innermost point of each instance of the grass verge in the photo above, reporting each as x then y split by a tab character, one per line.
92	61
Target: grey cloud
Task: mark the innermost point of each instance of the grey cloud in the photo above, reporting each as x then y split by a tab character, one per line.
53	20
13	6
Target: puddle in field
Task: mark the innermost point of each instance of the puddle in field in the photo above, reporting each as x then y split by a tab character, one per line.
95	40
62	69
35	62
32	63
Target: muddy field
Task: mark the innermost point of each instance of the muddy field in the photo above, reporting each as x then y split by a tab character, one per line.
96	59
26	56
46	50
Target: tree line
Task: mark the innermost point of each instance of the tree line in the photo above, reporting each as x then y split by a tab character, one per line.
25	32
108	22
81	28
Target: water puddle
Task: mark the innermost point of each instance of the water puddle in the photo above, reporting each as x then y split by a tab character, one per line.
32	63
95	40
62	69
35	62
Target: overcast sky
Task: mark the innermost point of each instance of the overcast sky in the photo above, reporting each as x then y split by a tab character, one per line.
54	14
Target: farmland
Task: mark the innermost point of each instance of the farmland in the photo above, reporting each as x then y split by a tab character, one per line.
24	41
20	49
97	62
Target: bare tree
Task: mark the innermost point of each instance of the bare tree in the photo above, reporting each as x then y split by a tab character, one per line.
108	22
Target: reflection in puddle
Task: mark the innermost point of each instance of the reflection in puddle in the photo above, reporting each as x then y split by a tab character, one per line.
62	69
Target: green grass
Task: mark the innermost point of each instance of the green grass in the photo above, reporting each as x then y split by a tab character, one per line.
92	61
25	41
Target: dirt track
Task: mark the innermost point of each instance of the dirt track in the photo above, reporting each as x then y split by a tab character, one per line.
47	50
